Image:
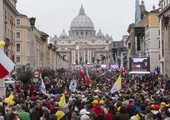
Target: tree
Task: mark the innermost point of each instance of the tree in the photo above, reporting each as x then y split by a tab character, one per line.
47	72
24	74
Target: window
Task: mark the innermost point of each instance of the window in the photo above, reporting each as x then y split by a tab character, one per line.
18	34
18	22
81	33
18	47
86	33
18	59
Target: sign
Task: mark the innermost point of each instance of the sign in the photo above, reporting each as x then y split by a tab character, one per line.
36	74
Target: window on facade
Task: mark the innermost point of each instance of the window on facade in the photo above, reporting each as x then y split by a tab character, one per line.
18	34
18	47
107	41
18	22
18	59
86	33
81	33
77	33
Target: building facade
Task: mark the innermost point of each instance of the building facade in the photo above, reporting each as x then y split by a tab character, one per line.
82	45
150	44
164	15
9	14
144	39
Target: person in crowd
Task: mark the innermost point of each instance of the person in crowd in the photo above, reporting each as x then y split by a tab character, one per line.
53	117
22	114
12	116
96	108
142	113
131	108
149	116
165	114
111	111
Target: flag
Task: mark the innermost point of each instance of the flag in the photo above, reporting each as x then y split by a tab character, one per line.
82	74
87	78
6	65
62	100
117	85
41	70
43	89
73	85
102	75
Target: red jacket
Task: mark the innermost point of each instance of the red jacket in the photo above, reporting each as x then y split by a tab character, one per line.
98	110
109	115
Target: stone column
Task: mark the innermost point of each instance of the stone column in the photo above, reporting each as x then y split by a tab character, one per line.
84	56
74	56
88	60
90	56
78	52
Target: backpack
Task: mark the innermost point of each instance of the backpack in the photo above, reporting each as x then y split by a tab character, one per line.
141	117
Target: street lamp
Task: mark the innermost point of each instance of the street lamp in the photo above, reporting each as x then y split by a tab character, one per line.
32	43
32	22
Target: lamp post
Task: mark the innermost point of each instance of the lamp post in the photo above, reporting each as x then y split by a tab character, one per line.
32	43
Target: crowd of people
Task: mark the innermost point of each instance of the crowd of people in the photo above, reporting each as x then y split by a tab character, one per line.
141	97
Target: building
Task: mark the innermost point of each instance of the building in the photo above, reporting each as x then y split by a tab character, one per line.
22	40
82	45
143	40
9	14
31	45
150	44
164	14
119	54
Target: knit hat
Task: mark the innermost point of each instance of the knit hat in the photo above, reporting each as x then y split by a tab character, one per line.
84	117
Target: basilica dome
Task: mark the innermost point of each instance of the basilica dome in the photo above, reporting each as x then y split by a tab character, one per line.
81	20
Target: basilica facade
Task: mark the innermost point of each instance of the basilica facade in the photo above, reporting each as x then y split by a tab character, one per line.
83	46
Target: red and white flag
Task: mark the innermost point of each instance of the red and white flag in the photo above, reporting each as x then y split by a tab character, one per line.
82	73
87	78
102	75
6	65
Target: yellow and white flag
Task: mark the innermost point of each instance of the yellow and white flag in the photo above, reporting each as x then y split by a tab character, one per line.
62	100
118	85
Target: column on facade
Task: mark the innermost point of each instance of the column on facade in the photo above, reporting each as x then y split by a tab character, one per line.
88	56
166	51
84	56
54	62
74	56
78	52
51	58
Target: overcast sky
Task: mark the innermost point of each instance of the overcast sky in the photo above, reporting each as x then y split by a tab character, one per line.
111	16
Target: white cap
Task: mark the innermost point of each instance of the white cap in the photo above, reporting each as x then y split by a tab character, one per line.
84	112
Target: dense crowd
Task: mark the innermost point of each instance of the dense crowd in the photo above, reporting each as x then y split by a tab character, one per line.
142	97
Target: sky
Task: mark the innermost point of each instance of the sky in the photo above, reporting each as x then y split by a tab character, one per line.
111	16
